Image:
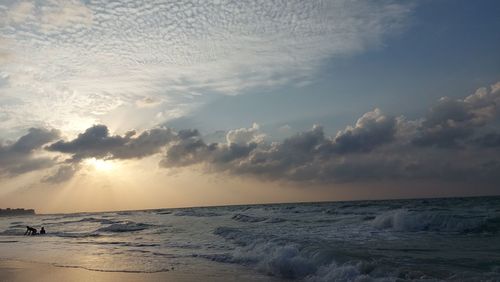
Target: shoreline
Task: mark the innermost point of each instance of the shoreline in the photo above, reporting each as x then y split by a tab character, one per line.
13	270
18	270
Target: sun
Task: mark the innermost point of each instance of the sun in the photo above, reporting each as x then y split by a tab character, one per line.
101	165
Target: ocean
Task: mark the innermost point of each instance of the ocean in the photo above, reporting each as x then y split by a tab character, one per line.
452	239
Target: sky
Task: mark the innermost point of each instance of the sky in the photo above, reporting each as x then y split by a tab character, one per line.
115	105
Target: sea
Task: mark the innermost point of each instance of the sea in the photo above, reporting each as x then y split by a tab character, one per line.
448	239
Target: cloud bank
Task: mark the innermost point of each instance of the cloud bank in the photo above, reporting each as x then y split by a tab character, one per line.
457	140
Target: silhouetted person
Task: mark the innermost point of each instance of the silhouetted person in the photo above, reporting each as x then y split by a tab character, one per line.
42	231
30	231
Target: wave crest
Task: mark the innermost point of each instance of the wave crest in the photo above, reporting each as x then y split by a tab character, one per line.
247	218
196	213
410	221
124	227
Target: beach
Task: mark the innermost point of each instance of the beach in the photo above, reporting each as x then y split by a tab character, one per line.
20	271
388	240
11	270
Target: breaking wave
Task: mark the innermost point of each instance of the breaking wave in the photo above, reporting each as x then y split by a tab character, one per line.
196	213
411	221
124	227
74	234
12	232
99	220
247	218
281	258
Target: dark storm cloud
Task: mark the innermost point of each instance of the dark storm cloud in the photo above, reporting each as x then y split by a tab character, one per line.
19	157
370	131
145	144
189	148
296	158
451	121
96	142
306	156
489	140
35	138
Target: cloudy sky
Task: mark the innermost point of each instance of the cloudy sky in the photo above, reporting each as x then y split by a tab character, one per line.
129	104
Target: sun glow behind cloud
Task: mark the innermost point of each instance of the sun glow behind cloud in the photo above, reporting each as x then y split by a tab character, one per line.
101	165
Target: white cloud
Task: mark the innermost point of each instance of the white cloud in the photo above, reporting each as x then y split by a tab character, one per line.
245	136
48	14
78	60
60	13
20	12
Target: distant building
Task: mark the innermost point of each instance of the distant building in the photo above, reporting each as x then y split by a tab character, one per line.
8	212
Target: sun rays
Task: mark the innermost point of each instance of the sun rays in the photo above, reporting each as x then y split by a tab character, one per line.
101	165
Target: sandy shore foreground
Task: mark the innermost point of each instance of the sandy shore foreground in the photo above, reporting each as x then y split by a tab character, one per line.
26	271
13	271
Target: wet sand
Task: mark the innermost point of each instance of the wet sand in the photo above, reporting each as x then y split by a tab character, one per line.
14	271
